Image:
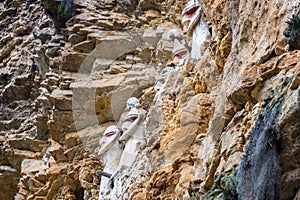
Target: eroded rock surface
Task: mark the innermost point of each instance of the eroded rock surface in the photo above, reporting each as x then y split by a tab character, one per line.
214	127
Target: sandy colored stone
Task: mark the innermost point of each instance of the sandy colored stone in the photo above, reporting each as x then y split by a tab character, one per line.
30	165
112	50
73	61
56	150
62	99
72	139
84	47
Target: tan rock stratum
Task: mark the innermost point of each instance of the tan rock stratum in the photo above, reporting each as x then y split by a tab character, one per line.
221	120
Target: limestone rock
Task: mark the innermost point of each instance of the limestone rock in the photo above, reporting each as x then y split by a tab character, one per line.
8	181
84	47
72	139
73	61
56	150
30	166
62	99
60	88
27	144
114	46
152	36
102	99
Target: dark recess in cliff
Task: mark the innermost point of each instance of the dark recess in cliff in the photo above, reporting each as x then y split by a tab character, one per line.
258	174
59	11
292	32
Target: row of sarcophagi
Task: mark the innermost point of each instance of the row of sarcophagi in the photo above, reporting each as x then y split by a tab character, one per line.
119	147
112	143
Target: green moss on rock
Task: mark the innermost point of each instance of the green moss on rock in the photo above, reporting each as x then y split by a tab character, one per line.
224	187
59	10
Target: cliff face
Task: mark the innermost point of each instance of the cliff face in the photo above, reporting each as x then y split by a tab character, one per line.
222	127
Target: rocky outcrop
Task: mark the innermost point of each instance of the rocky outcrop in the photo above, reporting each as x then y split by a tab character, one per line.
225	126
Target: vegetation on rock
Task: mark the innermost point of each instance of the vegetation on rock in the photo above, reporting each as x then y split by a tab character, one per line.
60	11
224	187
292	32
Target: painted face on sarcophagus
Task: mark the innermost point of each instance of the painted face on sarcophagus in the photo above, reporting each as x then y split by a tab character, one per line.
131	117
179	52
110	136
191	15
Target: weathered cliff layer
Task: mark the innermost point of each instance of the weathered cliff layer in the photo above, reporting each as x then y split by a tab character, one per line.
227	126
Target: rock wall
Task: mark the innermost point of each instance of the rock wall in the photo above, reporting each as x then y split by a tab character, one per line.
225	126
